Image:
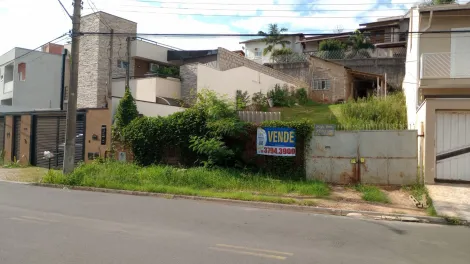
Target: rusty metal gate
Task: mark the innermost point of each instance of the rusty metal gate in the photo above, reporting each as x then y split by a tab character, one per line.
16	153
2	136
49	135
375	157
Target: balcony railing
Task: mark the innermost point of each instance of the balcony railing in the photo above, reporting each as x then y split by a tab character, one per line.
361	54
445	65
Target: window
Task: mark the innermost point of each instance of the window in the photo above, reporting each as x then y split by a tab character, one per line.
321	84
22	71
258	53
122	64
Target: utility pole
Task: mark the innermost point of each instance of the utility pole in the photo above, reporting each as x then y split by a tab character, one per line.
128	72
71	121
110	70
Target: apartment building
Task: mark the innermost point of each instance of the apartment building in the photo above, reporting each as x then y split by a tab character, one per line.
30	78
437	89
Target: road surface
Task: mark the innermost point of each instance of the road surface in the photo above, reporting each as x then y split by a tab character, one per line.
47	226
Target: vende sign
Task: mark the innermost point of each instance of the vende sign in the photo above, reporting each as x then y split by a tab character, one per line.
275	141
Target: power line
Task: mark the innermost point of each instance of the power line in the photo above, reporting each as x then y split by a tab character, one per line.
265	4
36	48
65	9
269	10
95	12
257	35
270	16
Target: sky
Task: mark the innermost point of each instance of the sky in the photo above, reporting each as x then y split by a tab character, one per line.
31	23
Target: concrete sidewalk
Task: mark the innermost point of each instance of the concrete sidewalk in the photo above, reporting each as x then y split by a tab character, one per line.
451	200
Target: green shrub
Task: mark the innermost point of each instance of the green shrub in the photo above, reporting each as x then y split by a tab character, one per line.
214	149
126	111
301	96
280	96
259	99
372	194
242	99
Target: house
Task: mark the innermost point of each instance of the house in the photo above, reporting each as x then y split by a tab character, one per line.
389	37
332	82
229	72
437	89
254	48
30	78
387	34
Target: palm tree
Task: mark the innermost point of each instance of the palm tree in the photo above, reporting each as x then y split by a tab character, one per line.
360	44
274	37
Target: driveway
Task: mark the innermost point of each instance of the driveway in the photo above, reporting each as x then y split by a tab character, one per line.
51	226
452	200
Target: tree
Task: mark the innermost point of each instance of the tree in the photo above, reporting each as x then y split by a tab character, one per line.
274	37
126	111
332	49
360	44
437	2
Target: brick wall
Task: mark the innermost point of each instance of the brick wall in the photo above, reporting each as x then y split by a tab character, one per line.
188	74
228	60
94	57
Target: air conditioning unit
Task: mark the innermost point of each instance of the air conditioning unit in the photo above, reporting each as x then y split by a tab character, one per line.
153	67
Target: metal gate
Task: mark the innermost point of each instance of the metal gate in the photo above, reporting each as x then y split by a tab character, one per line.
375	157
2	136
16	138
50	136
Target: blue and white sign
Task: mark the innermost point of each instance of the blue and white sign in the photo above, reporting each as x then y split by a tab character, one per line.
275	141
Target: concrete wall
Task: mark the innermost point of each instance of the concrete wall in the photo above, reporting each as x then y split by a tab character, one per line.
147	89
228	60
41	87
95	118
389	157
427	112
150	51
226	83
8	143
94	57
441	21
149	109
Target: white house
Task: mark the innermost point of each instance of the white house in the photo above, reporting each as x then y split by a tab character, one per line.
30	79
254	48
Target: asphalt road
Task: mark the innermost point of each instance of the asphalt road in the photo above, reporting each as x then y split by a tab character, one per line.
47	226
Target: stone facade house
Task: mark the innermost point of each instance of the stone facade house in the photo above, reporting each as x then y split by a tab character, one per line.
331	82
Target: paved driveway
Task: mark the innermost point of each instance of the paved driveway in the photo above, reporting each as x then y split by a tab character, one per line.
451	200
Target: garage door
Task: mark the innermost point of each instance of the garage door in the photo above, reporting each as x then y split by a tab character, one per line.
2	134
453	146
17	138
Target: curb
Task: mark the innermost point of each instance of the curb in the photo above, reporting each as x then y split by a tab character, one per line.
265	205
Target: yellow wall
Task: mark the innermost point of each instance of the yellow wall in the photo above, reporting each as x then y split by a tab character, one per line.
427	113
8	146
95	118
25	144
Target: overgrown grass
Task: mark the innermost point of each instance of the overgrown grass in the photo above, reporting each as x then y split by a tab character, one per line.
221	183
374	113
316	112
372	194
418	191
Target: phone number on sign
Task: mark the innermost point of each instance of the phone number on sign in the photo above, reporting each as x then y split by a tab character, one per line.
277	151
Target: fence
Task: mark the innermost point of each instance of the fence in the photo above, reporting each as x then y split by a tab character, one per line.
360	54
445	65
370	157
258	117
